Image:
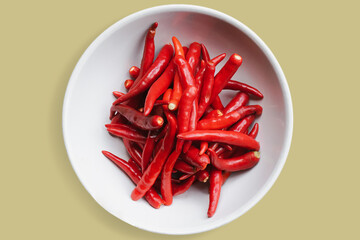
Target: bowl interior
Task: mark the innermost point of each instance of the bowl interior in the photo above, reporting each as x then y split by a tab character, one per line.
103	69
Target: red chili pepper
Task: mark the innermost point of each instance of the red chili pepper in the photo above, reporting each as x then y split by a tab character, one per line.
117	119
254	131
159	87
128	83
148	150
205	53
225	74
192	124
166	191
243	124
133	164
202	175
134	150
178	189
179	50
135	175
193	56
243	162
155	70
184	112
229	118
225	176
184	167
161	102
185	176
203	147
192	157
241	99
216	60
134	72
127	133
185	72
149	52
229	137
200	75
155	167
118	94
206	90
217	104
213	114
214	190
235	85
138	119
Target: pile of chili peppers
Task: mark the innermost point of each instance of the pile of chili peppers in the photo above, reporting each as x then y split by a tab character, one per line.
175	127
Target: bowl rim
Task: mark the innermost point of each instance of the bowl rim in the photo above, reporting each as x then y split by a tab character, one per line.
264	48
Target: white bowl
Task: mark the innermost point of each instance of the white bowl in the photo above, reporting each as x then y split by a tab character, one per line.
103	68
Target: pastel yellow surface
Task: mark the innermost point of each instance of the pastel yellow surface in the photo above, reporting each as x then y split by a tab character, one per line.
317	195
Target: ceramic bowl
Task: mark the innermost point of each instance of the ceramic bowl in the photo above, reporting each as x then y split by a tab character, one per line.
103	68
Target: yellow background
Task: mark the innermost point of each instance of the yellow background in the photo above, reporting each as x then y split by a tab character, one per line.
317	193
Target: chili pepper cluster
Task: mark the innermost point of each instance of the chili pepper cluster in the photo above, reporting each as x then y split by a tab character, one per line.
175	127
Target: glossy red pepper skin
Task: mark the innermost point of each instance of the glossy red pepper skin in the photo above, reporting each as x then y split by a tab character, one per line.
155	167
178	189
200	75
185	72
235	85
243	162
205	53
225	176
128	83
214	190
193	157
203	147
216	60
206	90
137	118
225	74
184	112
166	189
148	150
184	167
127	133
118	94
159	87
192	123
135	175
202	175
243	124
213	114
217	104
254	131
133	150
193	56
134	72
229	119
240	99
229	137
148	53
153	73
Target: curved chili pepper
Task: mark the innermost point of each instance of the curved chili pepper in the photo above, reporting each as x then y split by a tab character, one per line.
137	118
166	191
240	99
214	190
134	72
235	85
216	60
205	53
176	94
118	94
127	133
178	189
202	175
155	167
133	150
184	112
254	131
148	53
217	104
243	162
192	157
184	167
128	83
225	74
213	114
193	56
229	137
159	87
135	175
185	72
185	176
179	50
200	75
206	89
203	147
148	150
229	118
133	164
155	70
225	176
